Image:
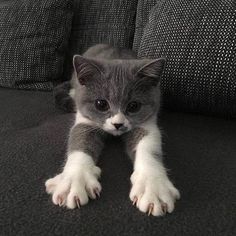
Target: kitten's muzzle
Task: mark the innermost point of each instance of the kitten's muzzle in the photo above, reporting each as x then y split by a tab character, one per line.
118	125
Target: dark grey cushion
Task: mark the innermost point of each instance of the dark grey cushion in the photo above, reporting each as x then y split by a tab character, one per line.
33	40
101	21
199	151
199	39
143	9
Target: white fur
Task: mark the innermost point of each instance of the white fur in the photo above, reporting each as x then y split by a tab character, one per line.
149	179
79	180
72	93
118	118
81	119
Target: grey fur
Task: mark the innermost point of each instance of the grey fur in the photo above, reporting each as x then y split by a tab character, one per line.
131	140
104	72
108	52
88	139
117	81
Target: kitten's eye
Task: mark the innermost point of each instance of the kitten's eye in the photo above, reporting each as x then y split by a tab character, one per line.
101	105
133	107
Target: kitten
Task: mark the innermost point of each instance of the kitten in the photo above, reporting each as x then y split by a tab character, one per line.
114	93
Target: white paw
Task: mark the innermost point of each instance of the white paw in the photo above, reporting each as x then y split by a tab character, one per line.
152	194
74	190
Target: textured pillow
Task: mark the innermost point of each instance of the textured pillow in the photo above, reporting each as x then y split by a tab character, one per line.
33	39
101	21
143	9
199	40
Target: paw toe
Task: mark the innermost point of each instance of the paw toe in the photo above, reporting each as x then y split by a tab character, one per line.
150	204
52	183
59	199
97	171
175	192
50	187
93	188
72	201
158	210
136	191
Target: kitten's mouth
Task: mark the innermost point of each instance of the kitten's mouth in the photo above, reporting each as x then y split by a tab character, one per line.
117	132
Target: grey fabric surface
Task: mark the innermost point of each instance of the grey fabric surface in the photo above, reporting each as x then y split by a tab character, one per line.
199	40
144	8
101	21
33	39
199	151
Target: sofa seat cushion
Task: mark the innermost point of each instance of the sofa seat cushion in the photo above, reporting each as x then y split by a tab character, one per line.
199	151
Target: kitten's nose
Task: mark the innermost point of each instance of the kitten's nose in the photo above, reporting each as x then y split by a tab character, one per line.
118	125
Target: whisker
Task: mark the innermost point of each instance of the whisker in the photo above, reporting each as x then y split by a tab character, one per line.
90	129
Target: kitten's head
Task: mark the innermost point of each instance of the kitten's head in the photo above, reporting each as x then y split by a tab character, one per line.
117	95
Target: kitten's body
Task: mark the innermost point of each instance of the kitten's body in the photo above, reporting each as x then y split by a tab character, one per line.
115	93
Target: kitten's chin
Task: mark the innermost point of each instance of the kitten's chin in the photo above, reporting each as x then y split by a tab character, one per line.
116	132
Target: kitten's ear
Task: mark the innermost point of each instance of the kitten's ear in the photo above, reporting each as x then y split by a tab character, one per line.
153	70
86	69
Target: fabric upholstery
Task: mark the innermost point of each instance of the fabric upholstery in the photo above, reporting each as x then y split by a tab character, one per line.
199	153
144	8
101	21
198	38
33	39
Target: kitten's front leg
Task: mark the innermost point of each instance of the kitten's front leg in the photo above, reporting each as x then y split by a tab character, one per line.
79	179
151	191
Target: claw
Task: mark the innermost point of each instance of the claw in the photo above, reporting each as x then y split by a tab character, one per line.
97	192
164	207
150	209
77	202
135	200
60	201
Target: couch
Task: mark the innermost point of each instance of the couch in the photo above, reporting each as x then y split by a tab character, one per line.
199	141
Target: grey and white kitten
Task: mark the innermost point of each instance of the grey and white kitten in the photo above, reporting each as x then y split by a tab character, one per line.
117	94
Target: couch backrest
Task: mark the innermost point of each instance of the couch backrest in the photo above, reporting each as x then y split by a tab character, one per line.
101	21
186	32
198	38
144	8
104	21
